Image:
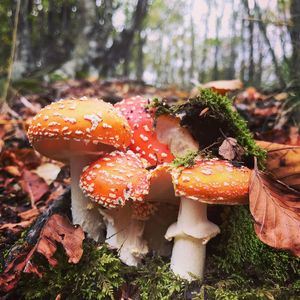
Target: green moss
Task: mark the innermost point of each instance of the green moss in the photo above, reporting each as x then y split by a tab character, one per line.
210	117
186	160
96	276
242	267
155	281
99	275
238	266
241	251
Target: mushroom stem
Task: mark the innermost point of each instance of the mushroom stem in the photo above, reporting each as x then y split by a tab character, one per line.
125	234
191	232
83	211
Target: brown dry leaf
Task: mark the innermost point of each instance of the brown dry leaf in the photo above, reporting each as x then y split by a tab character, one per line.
60	230
34	185
13	170
283	161
23	224
29	214
57	229
276	211
230	149
48	172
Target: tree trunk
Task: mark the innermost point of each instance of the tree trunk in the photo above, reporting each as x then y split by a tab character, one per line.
24	59
122	44
251	69
203	66
192	53
86	42
294	31
263	30
230	70
243	50
140	56
215	74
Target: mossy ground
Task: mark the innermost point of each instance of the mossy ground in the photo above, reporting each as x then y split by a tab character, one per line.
239	266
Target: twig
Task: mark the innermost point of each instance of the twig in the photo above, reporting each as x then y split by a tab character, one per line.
12	54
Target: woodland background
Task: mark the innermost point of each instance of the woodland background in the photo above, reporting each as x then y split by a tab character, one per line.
52	49
161	42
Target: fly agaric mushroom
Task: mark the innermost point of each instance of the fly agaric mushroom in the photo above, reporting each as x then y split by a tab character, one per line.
178	138
208	181
74	132
144	140
112	181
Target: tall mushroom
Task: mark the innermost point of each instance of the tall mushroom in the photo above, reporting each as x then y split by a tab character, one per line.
116	181
76	132
208	181
211	181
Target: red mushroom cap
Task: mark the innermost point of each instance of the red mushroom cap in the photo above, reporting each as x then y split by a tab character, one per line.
88	123
144	141
213	181
115	178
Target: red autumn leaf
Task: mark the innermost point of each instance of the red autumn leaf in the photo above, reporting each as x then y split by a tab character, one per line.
57	229
34	185
276	211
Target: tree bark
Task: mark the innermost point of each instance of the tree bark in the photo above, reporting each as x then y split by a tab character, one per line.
251	69
230	70
192	53
122	44
24	59
263	30
294	31
140	56
215	74
202	74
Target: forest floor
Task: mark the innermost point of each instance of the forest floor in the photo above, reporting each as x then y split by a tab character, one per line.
30	184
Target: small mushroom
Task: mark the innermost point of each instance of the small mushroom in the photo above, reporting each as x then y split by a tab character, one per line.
75	132
208	181
119	182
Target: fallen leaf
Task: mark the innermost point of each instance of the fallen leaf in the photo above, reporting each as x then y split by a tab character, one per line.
29	214
276	211
33	185
230	149
60	230
23	224
57	229
283	161
48	172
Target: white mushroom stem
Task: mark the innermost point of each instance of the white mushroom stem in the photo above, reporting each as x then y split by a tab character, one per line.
125	234
84	212
191	232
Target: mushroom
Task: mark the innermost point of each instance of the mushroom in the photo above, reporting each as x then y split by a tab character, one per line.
147	146
144	140
75	132
118	182
210	181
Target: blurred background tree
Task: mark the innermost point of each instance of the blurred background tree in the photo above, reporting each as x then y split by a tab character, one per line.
161	42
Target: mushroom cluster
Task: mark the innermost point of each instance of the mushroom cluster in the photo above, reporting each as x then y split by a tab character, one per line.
122	171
